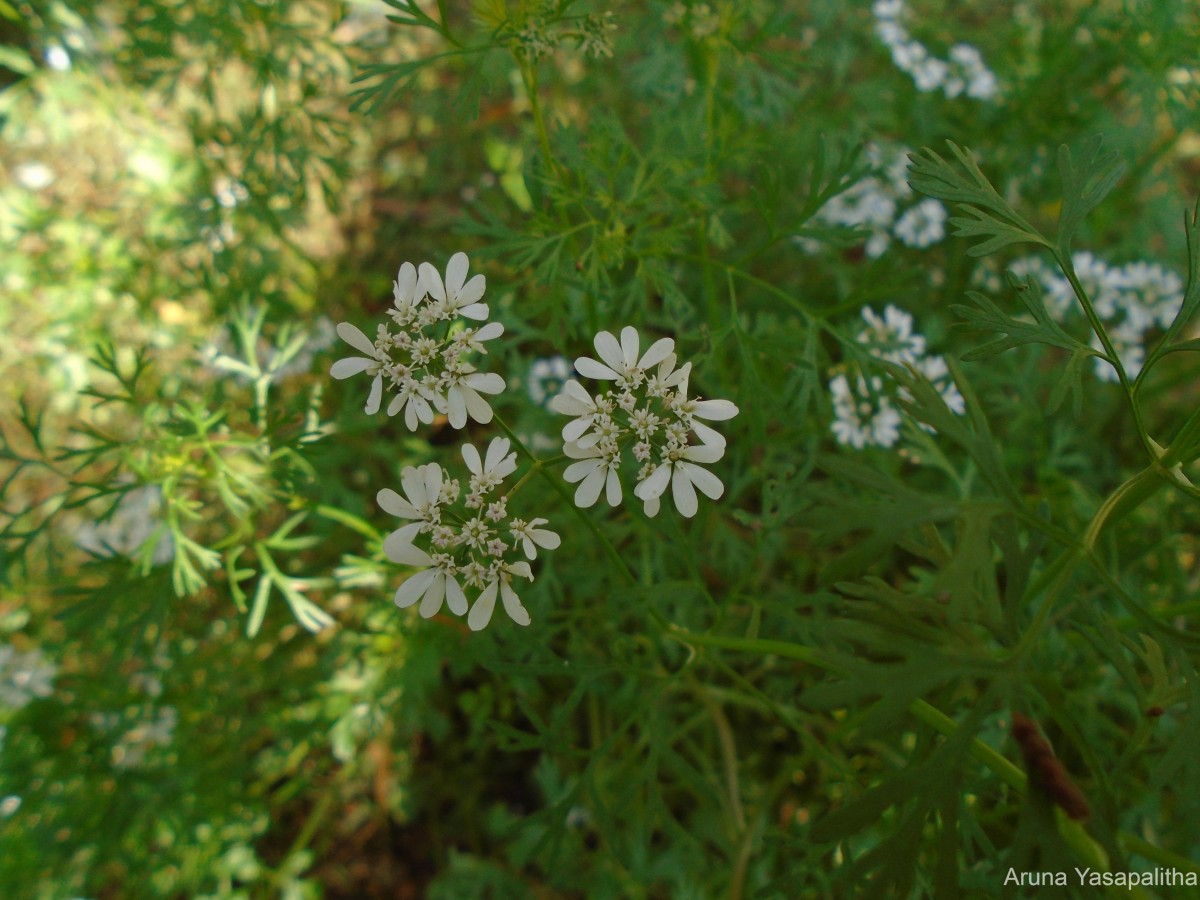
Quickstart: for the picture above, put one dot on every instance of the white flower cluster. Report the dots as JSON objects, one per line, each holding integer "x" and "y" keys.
{"x": 649, "y": 407}
{"x": 131, "y": 524}
{"x": 133, "y": 746}
{"x": 424, "y": 362}
{"x": 1131, "y": 299}
{"x": 864, "y": 411}
{"x": 963, "y": 73}
{"x": 24, "y": 676}
{"x": 875, "y": 203}
{"x": 472, "y": 544}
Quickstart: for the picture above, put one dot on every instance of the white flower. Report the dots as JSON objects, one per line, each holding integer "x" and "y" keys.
{"x": 481, "y": 612}
{"x": 414, "y": 399}
{"x": 547, "y": 378}
{"x": 923, "y": 225}
{"x": 405, "y": 297}
{"x": 454, "y": 297}
{"x": 24, "y": 676}
{"x": 423, "y": 485}
{"x": 620, "y": 360}
{"x": 576, "y": 401}
{"x": 374, "y": 362}
{"x": 891, "y": 337}
{"x": 487, "y": 473}
{"x": 648, "y": 407}
{"x": 867, "y": 418}
{"x": 134, "y": 521}
{"x": 596, "y": 470}
{"x": 530, "y": 535}
{"x": 433, "y": 586}
{"x": 462, "y": 396}
{"x": 681, "y": 471}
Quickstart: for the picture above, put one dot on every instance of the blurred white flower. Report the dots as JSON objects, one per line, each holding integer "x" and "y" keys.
{"x": 965, "y": 70}
{"x": 922, "y": 225}
{"x": 131, "y": 750}
{"x": 546, "y": 378}
{"x": 133, "y": 522}
{"x": 864, "y": 417}
{"x": 24, "y": 676}
{"x": 891, "y": 336}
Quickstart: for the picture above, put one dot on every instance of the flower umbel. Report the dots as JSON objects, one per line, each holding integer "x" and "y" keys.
{"x": 648, "y": 407}
{"x": 466, "y": 542}
{"x": 425, "y": 363}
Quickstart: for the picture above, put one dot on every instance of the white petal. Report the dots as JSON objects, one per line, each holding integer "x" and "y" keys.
{"x": 406, "y": 281}
{"x": 398, "y": 547}
{"x": 652, "y": 506}
{"x": 575, "y": 451}
{"x": 520, "y": 568}
{"x": 580, "y": 471}
{"x": 430, "y": 282}
{"x": 435, "y": 595}
{"x": 658, "y": 351}
{"x": 397, "y": 404}
{"x": 414, "y": 588}
{"x": 566, "y": 405}
{"x": 512, "y": 605}
{"x": 391, "y": 502}
{"x": 433, "y": 480}
{"x": 471, "y": 457}
{"x": 612, "y": 488}
{"x": 708, "y": 483}
{"x": 351, "y": 365}
{"x": 356, "y": 339}
{"x": 375, "y": 396}
{"x": 411, "y": 415}
{"x": 589, "y": 368}
{"x": 456, "y": 273}
{"x": 481, "y": 612}
{"x": 457, "y": 407}
{"x": 548, "y": 539}
{"x": 485, "y": 382}
{"x": 629, "y": 346}
{"x": 476, "y": 311}
{"x": 609, "y": 351}
{"x": 472, "y": 291}
{"x": 455, "y": 598}
{"x": 496, "y": 452}
{"x": 573, "y": 431}
{"x": 715, "y": 410}
{"x": 683, "y": 493}
{"x": 588, "y": 491}
{"x": 414, "y": 485}
{"x": 489, "y": 331}
{"x": 704, "y": 453}
{"x": 476, "y": 406}
{"x": 708, "y": 435}
{"x": 424, "y": 413}
{"x": 655, "y": 483}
